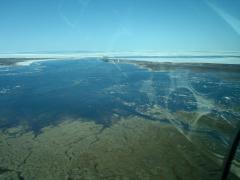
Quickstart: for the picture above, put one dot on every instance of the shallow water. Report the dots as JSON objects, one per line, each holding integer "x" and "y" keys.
{"x": 98, "y": 113}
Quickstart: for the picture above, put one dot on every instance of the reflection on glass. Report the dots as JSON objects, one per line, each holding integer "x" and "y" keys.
{"x": 119, "y": 90}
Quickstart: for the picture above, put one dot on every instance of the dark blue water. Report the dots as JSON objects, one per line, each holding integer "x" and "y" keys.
{"x": 67, "y": 89}
{"x": 45, "y": 93}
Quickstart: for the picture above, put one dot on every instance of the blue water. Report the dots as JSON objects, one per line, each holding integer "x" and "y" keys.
{"x": 45, "y": 93}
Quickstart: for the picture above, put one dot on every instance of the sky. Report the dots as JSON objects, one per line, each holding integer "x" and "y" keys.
{"x": 119, "y": 25}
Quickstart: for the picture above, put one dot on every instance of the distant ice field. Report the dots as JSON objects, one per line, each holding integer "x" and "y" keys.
{"x": 195, "y": 57}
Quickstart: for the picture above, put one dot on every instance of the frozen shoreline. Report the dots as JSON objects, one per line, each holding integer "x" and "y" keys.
{"x": 227, "y": 60}
{"x": 210, "y": 58}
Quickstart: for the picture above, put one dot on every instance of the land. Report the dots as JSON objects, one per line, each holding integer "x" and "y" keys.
{"x": 151, "y": 65}
{"x": 14, "y": 61}
{"x": 167, "y": 125}
{"x": 133, "y": 148}
{"x": 171, "y": 66}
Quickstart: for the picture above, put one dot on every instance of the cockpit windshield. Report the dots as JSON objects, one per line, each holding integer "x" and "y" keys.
{"x": 119, "y": 90}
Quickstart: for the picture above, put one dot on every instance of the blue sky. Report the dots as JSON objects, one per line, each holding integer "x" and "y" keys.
{"x": 114, "y": 25}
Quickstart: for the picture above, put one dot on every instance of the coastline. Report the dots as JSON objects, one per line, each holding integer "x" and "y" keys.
{"x": 24, "y": 59}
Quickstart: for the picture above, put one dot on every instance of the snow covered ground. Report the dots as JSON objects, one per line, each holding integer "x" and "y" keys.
{"x": 152, "y": 56}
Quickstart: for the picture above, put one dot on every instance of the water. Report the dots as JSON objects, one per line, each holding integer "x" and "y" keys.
{"x": 200, "y": 106}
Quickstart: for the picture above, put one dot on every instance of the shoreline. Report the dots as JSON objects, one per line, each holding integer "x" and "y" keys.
{"x": 159, "y": 60}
